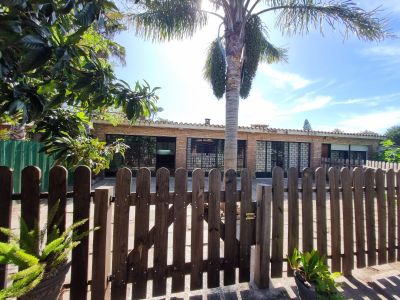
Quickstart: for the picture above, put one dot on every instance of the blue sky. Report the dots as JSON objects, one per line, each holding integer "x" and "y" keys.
{"x": 351, "y": 85}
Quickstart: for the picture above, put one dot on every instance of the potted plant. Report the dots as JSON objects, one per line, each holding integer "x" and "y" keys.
{"x": 312, "y": 276}
{"x": 42, "y": 271}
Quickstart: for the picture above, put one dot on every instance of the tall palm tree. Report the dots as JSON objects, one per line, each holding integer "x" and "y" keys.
{"x": 234, "y": 56}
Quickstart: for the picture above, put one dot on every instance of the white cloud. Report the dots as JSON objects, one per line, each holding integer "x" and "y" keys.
{"x": 384, "y": 51}
{"x": 282, "y": 79}
{"x": 309, "y": 102}
{"x": 370, "y": 101}
{"x": 376, "y": 121}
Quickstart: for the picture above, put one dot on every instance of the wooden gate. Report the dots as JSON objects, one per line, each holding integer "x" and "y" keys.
{"x": 209, "y": 232}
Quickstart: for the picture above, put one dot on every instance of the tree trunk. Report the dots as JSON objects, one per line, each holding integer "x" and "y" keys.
{"x": 233, "y": 50}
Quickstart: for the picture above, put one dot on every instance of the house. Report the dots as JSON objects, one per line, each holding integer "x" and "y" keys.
{"x": 185, "y": 145}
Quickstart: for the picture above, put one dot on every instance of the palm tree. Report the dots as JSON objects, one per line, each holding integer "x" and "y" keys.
{"x": 234, "y": 56}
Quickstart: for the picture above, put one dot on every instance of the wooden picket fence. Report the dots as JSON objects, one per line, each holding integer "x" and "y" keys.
{"x": 364, "y": 200}
{"x": 339, "y": 163}
{"x": 382, "y": 165}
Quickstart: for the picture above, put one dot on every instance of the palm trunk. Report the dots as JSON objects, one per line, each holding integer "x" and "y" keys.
{"x": 233, "y": 50}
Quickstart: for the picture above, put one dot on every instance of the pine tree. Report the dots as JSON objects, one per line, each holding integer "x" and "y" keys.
{"x": 307, "y": 125}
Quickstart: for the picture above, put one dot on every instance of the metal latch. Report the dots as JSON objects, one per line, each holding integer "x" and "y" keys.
{"x": 250, "y": 216}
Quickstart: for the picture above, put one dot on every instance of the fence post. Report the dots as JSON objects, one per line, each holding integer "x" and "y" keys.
{"x": 80, "y": 254}
{"x": 6, "y": 189}
{"x": 101, "y": 243}
{"x": 263, "y": 236}
{"x": 30, "y": 199}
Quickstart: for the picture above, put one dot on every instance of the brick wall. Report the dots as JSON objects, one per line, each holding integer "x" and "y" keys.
{"x": 181, "y": 133}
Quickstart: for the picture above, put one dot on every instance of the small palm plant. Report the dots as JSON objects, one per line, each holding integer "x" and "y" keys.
{"x": 312, "y": 272}
{"x": 36, "y": 264}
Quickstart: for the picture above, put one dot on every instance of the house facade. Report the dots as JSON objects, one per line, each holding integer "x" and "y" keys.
{"x": 260, "y": 148}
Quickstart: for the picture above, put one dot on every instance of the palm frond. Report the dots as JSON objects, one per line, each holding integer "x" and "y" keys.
{"x": 257, "y": 48}
{"x": 166, "y": 20}
{"x": 298, "y": 16}
{"x": 215, "y": 68}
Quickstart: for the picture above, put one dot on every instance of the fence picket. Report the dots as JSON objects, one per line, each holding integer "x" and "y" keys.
{"x": 307, "y": 210}
{"x": 358, "y": 183}
{"x": 80, "y": 254}
{"x": 120, "y": 233}
{"x": 6, "y": 190}
{"x": 30, "y": 199}
{"x": 335, "y": 219}
{"x": 196, "y": 274}
{"x": 179, "y": 242}
{"x": 398, "y": 212}
{"x": 100, "y": 287}
{"x": 141, "y": 231}
{"x": 322, "y": 231}
{"x": 161, "y": 237}
{"x": 245, "y": 226}
{"x": 230, "y": 250}
{"x": 391, "y": 210}
{"x": 277, "y": 224}
{"x": 58, "y": 194}
{"x": 348, "y": 238}
{"x": 370, "y": 215}
{"x": 263, "y": 236}
{"x": 293, "y": 212}
{"x": 214, "y": 220}
{"x": 382, "y": 223}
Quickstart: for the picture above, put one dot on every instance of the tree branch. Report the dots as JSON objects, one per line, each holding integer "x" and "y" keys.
{"x": 214, "y": 14}
{"x": 273, "y": 8}
{"x": 252, "y": 8}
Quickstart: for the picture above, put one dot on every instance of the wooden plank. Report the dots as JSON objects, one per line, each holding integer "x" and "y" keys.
{"x": 161, "y": 239}
{"x": 246, "y": 226}
{"x": 277, "y": 223}
{"x": 214, "y": 220}
{"x": 179, "y": 242}
{"x": 230, "y": 227}
{"x": 391, "y": 209}
{"x": 80, "y": 254}
{"x": 30, "y": 199}
{"x": 58, "y": 195}
{"x": 139, "y": 266}
{"x": 293, "y": 212}
{"x": 6, "y": 190}
{"x": 348, "y": 239}
{"x": 322, "y": 231}
{"x": 382, "y": 223}
{"x": 196, "y": 251}
{"x": 334, "y": 194}
{"x": 370, "y": 215}
{"x": 398, "y": 213}
{"x": 263, "y": 236}
{"x": 307, "y": 210}
{"x": 100, "y": 288}
{"x": 120, "y": 233}
{"x": 358, "y": 183}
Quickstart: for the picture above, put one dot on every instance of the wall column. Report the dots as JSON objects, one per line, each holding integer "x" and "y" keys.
{"x": 316, "y": 152}
{"x": 180, "y": 155}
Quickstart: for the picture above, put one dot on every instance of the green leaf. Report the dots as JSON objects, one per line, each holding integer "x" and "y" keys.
{"x": 32, "y": 42}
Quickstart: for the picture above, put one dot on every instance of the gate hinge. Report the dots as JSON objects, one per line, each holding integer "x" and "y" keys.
{"x": 250, "y": 216}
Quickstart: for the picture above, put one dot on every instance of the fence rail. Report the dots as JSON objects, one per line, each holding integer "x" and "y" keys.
{"x": 320, "y": 211}
{"x": 327, "y": 162}
{"x": 382, "y": 165}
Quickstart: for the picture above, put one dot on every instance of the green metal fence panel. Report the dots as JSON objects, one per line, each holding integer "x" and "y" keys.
{"x": 19, "y": 154}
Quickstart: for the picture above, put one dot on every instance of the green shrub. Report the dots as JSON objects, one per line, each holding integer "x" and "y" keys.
{"x": 314, "y": 270}
{"x": 36, "y": 264}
